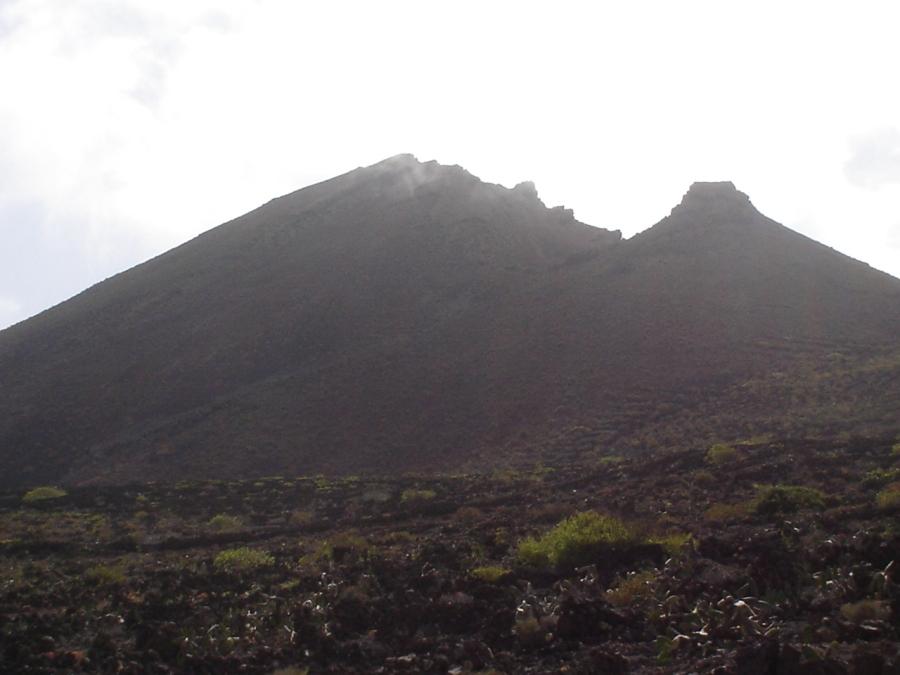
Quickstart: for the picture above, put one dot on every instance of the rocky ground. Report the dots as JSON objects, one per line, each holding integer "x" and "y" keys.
{"x": 766, "y": 557}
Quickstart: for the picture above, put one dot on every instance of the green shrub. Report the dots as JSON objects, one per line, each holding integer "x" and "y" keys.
{"x": 468, "y": 514}
{"x": 301, "y": 518}
{"x": 491, "y": 574}
{"x": 417, "y": 495}
{"x": 880, "y": 477}
{"x": 637, "y": 586}
{"x": 889, "y": 498}
{"x": 106, "y": 575}
{"x": 611, "y": 460}
{"x": 773, "y": 499}
{"x": 242, "y": 560}
{"x": 723, "y": 513}
{"x": 895, "y": 449}
{"x": 337, "y": 548}
{"x": 720, "y": 454}
{"x": 225, "y": 523}
{"x": 704, "y": 478}
{"x": 866, "y": 610}
{"x": 41, "y": 493}
{"x": 578, "y": 540}
{"x": 675, "y": 543}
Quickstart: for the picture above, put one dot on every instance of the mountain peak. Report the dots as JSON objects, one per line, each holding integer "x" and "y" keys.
{"x": 715, "y": 200}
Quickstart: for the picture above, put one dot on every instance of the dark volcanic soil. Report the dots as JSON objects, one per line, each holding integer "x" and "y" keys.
{"x": 421, "y": 574}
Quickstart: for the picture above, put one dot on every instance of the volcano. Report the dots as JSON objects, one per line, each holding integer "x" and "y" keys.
{"x": 408, "y": 316}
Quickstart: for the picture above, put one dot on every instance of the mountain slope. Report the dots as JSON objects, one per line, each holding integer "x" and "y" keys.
{"x": 408, "y": 315}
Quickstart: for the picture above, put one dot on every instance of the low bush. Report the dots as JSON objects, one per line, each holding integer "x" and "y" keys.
{"x": 242, "y": 560}
{"x": 720, "y": 454}
{"x": 41, "y": 493}
{"x": 611, "y": 460}
{"x": 225, "y": 523}
{"x": 301, "y": 518}
{"x": 417, "y": 495}
{"x": 889, "y": 498}
{"x": 704, "y": 478}
{"x": 636, "y": 586}
{"x": 866, "y": 610}
{"x": 106, "y": 575}
{"x": 468, "y": 515}
{"x": 877, "y": 477}
{"x": 775, "y": 499}
{"x": 674, "y": 543}
{"x": 578, "y": 540}
{"x": 491, "y": 574}
{"x": 724, "y": 513}
{"x": 339, "y": 547}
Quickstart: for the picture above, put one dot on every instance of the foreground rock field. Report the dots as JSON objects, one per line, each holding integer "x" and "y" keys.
{"x": 764, "y": 557}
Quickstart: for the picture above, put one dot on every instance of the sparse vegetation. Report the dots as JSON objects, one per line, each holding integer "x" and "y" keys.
{"x": 43, "y": 493}
{"x": 611, "y": 460}
{"x": 108, "y": 575}
{"x": 301, "y": 518}
{"x": 588, "y": 591}
{"x": 242, "y": 559}
{"x": 340, "y": 546}
{"x": 704, "y": 478}
{"x": 578, "y": 540}
{"x": 674, "y": 543}
{"x": 633, "y": 588}
{"x": 877, "y": 477}
{"x": 889, "y": 497}
{"x": 723, "y": 513}
{"x": 491, "y": 574}
{"x": 780, "y": 499}
{"x": 721, "y": 454}
{"x": 413, "y": 495}
{"x": 866, "y": 610}
{"x": 225, "y": 523}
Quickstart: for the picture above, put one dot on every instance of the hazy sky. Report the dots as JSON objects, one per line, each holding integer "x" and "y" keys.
{"x": 129, "y": 126}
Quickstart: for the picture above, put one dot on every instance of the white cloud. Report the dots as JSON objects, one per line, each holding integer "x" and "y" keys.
{"x": 10, "y": 311}
{"x": 875, "y": 161}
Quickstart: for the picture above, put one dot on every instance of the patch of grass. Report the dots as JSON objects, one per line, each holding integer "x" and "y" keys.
{"x": 866, "y": 610}
{"x": 721, "y": 454}
{"x": 225, "y": 523}
{"x": 490, "y": 574}
{"x": 578, "y": 540}
{"x": 242, "y": 559}
{"x": 889, "y": 498}
{"x": 636, "y": 586}
{"x": 724, "y": 513}
{"x": 412, "y": 495}
{"x": 106, "y": 575}
{"x": 675, "y": 543}
{"x": 300, "y": 518}
{"x": 704, "y": 478}
{"x": 339, "y": 547}
{"x": 611, "y": 460}
{"x": 399, "y": 538}
{"x": 775, "y": 499}
{"x": 877, "y": 477}
{"x": 44, "y": 492}
{"x": 468, "y": 514}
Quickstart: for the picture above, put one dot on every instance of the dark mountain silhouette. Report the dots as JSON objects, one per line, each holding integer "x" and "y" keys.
{"x": 407, "y": 315}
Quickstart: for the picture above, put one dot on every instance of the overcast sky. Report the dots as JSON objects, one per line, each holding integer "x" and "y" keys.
{"x": 129, "y": 126}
